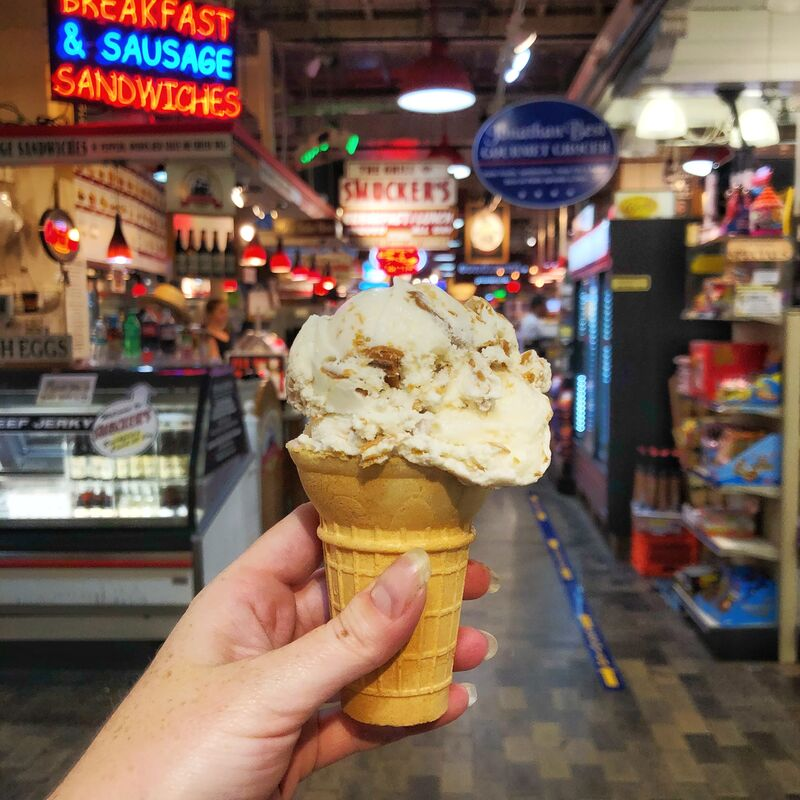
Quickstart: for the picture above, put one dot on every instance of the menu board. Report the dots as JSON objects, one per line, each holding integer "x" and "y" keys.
{"x": 226, "y": 435}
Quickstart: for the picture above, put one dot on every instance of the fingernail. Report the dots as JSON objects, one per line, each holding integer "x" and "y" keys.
{"x": 493, "y": 646}
{"x": 494, "y": 583}
{"x": 401, "y": 583}
{"x": 472, "y": 694}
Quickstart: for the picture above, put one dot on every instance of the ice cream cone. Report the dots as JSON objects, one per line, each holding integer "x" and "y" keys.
{"x": 368, "y": 517}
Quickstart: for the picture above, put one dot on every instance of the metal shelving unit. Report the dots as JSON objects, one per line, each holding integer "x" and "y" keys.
{"x": 777, "y": 547}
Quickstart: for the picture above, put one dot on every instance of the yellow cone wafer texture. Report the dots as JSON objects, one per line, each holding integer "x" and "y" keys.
{"x": 368, "y": 517}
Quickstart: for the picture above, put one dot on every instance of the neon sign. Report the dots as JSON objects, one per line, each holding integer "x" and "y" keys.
{"x": 60, "y": 238}
{"x": 398, "y": 260}
{"x": 158, "y": 56}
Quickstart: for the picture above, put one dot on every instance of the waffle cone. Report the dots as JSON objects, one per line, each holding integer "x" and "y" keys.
{"x": 370, "y": 516}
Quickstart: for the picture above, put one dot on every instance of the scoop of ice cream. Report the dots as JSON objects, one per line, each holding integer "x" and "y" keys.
{"x": 409, "y": 371}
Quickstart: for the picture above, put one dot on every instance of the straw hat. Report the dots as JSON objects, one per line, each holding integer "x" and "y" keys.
{"x": 168, "y": 296}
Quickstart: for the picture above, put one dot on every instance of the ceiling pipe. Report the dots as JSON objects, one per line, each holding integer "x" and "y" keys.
{"x": 625, "y": 27}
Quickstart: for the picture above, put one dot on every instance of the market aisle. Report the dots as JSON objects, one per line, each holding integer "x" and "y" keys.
{"x": 687, "y": 727}
{"x": 543, "y": 727}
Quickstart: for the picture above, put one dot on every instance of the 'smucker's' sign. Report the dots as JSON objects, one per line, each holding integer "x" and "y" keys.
{"x": 158, "y": 56}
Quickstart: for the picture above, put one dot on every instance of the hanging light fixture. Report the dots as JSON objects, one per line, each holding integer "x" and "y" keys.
{"x": 119, "y": 253}
{"x": 457, "y": 165}
{"x": 280, "y": 263}
{"x": 299, "y": 271}
{"x": 701, "y": 160}
{"x": 253, "y": 255}
{"x": 435, "y": 84}
{"x": 661, "y": 118}
{"x": 758, "y": 127}
{"x": 160, "y": 174}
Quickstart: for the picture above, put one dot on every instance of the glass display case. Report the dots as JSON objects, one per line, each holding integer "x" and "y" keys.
{"x": 115, "y": 450}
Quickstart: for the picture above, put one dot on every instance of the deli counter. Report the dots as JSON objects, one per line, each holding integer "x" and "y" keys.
{"x": 122, "y": 493}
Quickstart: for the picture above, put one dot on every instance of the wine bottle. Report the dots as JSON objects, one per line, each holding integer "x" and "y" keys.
{"x": 230, "y": 258}
{"x": 179, "y": 259}
{"x": 217, "y": 258}
{"x": 204, "y": 257}
{"x": 192, "y": 269}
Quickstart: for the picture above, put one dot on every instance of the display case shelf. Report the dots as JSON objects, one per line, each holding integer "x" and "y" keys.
{"x": 727, "y": 547}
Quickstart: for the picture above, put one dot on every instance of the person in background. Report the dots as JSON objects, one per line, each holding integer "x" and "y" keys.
{"x": 534, "y": 327}
{"x": 218, "y": 339}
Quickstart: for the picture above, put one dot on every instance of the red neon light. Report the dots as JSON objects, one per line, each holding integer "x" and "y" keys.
{"x": 63, "y": 240}
{"x": 154, "y": 95}
{"x": 187, "y": 19}
{"x": 398, "y": 260}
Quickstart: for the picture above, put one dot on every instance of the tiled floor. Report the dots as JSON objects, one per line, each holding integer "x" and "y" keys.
{"x": 686, "y": 727}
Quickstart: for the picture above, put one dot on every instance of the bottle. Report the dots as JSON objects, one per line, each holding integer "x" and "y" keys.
{"x": 78, "y": 459}
{"x": 204, "y": 257}
{"x": 168, "y": 333}
{"x": 99, "y": 342}
{"x": 217, "y": 258}
{"x": 131, "y": 338}
{"x": 180, "y": 258}
{"x": 192, "y": 267}
{"x": 230, "y": 258}
{"x": 165, "y": 454}
{"x": 30, "y": 297}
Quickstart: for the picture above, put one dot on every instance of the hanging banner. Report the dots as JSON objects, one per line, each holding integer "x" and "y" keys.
{"x": 545, "y": 154}
{"x": 158, "y": 56}
{"x": 398, "y": 203}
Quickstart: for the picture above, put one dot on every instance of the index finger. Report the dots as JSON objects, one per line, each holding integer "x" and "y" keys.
{"x": 479, "y": 580}
{"x": 289, "y": 551}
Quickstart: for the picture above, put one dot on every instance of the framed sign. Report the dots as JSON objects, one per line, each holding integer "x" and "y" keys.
{"x": 487, "y": 234}
{"x": 159, "y": 56}
{"x": 545, "y": 153}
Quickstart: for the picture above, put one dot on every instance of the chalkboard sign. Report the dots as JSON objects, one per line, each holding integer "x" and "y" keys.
{"x": 226, "y": 434}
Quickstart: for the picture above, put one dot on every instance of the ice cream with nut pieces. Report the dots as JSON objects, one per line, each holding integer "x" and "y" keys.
{"x": 409, "y": 371}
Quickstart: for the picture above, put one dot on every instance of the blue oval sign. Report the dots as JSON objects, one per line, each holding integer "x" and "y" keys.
{"x": 545, "y": 153}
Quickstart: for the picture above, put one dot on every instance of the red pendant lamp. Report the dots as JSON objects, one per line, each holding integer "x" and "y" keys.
{"x": 299, "y": 271}
{"x": 253, "y": 255}
{"x": 457, "y": 165}
{"x": 119, "y": 253}
{"x": 435, "y": 84}
{"x": 280, "y": 263}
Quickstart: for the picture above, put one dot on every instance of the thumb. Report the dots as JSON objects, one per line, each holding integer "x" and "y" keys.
{"x": 373, "y": 626}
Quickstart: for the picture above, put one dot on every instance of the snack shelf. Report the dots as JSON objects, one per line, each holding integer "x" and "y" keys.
{"x": 700, "y": 316}
{"x": 750, "y": 410}
{"x": 705, "y": 621}
{"x": 728, "y": 547}
{"x": 768, "y": 491}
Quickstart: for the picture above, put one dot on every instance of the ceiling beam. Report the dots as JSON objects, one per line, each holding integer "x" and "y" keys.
{"x": 324, "y": 29}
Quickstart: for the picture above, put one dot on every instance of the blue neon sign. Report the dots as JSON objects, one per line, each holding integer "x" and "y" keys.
{"x": 144, "y": 51}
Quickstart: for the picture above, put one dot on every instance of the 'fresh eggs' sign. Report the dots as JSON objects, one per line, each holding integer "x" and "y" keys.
{"x": 158, "y": 56}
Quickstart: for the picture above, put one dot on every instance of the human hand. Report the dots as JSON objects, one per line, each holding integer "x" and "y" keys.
{"x": 230, "y": 707}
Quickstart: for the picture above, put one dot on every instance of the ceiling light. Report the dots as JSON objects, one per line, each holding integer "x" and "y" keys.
{"x": 520, "y": 60}
{"x": 510, "y": 75}
{"x": 247, "y": 232}
{"x": 274, "y": 213}
{"x": 259, "y": 212}
{"x": 758, "y": 127}
{"x": 701, "y": 160}
{"x": 160, "y": 174}
{"x": 435, "y": 84}
{"x": 457, "y": 165}
{"x": 459, "y": 171}
{"x": 442, "y": 257}
{"x": 254, "y": 255}
{"x": 661, "y": 118}
{"x": 237, "y": 196}
{"x": 280, "y": 263}
{"x": 458, "y": 223}
{"x": 118, "y": 253}
{"x": 526, "y": 43}
{"x": 531, "y": 241}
